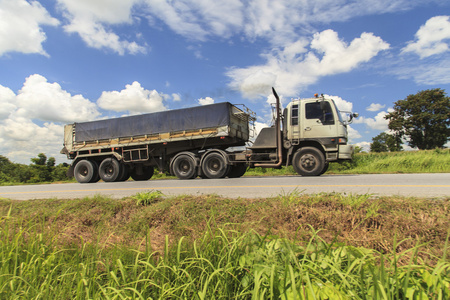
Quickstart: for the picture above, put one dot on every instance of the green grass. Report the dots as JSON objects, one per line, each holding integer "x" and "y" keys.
{"x": 426, "y": 161}
{"x": 325, "y": 246}
{"x": 430, "y": 161}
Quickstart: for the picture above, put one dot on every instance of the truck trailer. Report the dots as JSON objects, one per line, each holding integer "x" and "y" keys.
{"x": 209, "y": 141}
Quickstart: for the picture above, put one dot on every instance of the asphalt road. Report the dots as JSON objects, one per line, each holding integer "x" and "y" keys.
{"x": 416, "y": 185}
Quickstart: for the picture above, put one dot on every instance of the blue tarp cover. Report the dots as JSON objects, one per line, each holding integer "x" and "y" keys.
{"x": 193, "y": 118}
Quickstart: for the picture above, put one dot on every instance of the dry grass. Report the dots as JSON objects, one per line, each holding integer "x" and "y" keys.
{"x": 356, "y": 220}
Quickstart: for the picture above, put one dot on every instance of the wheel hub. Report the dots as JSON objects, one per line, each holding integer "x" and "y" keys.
{"x": 308, "y": 161}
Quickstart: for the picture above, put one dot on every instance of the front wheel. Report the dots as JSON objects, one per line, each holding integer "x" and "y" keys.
{"x": 308, "y": 161}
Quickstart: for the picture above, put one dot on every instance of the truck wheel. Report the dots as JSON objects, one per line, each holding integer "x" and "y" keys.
{"x": 109, "y": 170}
{"x": 325, "y": 168}
{"x": 214, "y": 166}
{"x": 184, "y": 167}
{"x": 124, "y": 173}
{"x": 147, "y": 173}
{"x": 237, "y": 170}
{"x": 85, "y": 171}
{"x": 308, "y": 161}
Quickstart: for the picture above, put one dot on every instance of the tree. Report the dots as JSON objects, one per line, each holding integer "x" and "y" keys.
{"x": 40, "y": 160}
{"x": 424, "y": 118}
{"x": 386, "y": 142}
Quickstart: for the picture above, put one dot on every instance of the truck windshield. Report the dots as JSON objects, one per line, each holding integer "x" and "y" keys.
{"x": 338, "y": 113}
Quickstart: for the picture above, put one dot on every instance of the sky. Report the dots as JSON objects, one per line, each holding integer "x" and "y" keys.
{"x": 66, "y": 61}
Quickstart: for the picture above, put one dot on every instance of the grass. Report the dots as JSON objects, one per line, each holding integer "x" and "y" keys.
{"x": 425, "y": 161}
{"x": 325, "y": 246}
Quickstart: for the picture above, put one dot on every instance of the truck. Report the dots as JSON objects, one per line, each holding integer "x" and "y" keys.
{"x": 211, "y": 141}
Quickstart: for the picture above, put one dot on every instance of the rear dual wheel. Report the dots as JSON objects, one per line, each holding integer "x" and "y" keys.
{"x": 184, "y": 166}
{"x": 110, "y": 170}
{"x": 237, "y": 170}
{"x": 142, "y": 174}
{"x": 86, "y": 171}
{"x": 214, "y": 165}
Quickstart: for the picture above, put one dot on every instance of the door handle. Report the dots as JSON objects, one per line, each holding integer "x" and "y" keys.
{"x": 308, "y": 128}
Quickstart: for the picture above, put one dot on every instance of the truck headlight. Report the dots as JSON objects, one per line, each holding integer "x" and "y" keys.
{"x": 342, "y": 141}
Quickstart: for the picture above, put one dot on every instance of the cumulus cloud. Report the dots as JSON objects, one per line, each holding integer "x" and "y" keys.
{"x": 134, "y": 99}
{"x": 32, "y": 121}
{"x": 353, "y": 134}
{"x": 376, "y": 123}
{"x": 7, "y": 102}
{"x": 206, "y": 101}
{"x": 375, "y": 107}
{"x": 90, "y": 18}
{"x": 26, "y": 139}
{"x": 39, "y": 99}
{"x": 342, "y": 105}
{"x": 293, "y": 67}
{"x": 21, "y": 25}
{"x": 432, "y": 38}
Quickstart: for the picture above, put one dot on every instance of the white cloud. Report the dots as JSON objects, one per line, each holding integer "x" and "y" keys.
{"x": 199, "y": 19}
{"x": 7, "y": 102}
{"x": 39, "y": 99}
{"x": 432, "y": 38}
{"x": 206, "y": 101}
{"x": 23, "y": 139}
{"x": 353, "y": 134}
{"x": 21, "y": 26}
{"x": 293, "y": 67}
{"x": 31, "y": 122}
{"x": 375, "y": 107}
{"x": 176, "y": 97}
{"x": 426, "y": 71}
{"x": 376, "y": 123}
{"x": 365, "y": 146}
{"x": 89, "y": 18}
{"x": 341, "y": 104}
{"x": 134, "y": 99}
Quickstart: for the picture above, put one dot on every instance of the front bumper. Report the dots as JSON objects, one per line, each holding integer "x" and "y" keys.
{"x": 345, "y": 151}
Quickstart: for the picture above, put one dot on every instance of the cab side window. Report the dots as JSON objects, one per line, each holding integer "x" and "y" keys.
{"x": 314, "y": 111}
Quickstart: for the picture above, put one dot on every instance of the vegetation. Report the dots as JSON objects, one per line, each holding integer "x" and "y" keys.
{"x": 326, "y": 246}
{"x": 385, "y": 142}
{"x": 41, "y": 170}
{"x": 423, "y": 118}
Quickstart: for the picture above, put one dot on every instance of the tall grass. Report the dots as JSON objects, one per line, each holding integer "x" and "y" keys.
{"x": 222, "y": 264}
{"x": 429, "y": 161}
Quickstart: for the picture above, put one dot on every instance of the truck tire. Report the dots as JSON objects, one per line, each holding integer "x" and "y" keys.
{"x": 237, "y": 170}
{"x": 184, "y": 166}
{"x": 214, "y": 165}
{"x": 85, "y": 171}
{"x": 147, "y": 173}
{"x": 124, "y": 173}
{"x": 109, "y": 170}
{"x": 308, "y": 161}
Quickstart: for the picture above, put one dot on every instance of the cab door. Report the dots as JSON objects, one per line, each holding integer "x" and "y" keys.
{"x": 318, "y": 120}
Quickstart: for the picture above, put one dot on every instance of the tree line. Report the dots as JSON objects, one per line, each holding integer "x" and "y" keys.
{"x": 422, "y": 120}
{"x": 40, "y": 170}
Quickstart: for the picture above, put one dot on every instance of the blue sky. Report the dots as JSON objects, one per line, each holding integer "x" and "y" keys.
{"x": 65, "y": 61}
